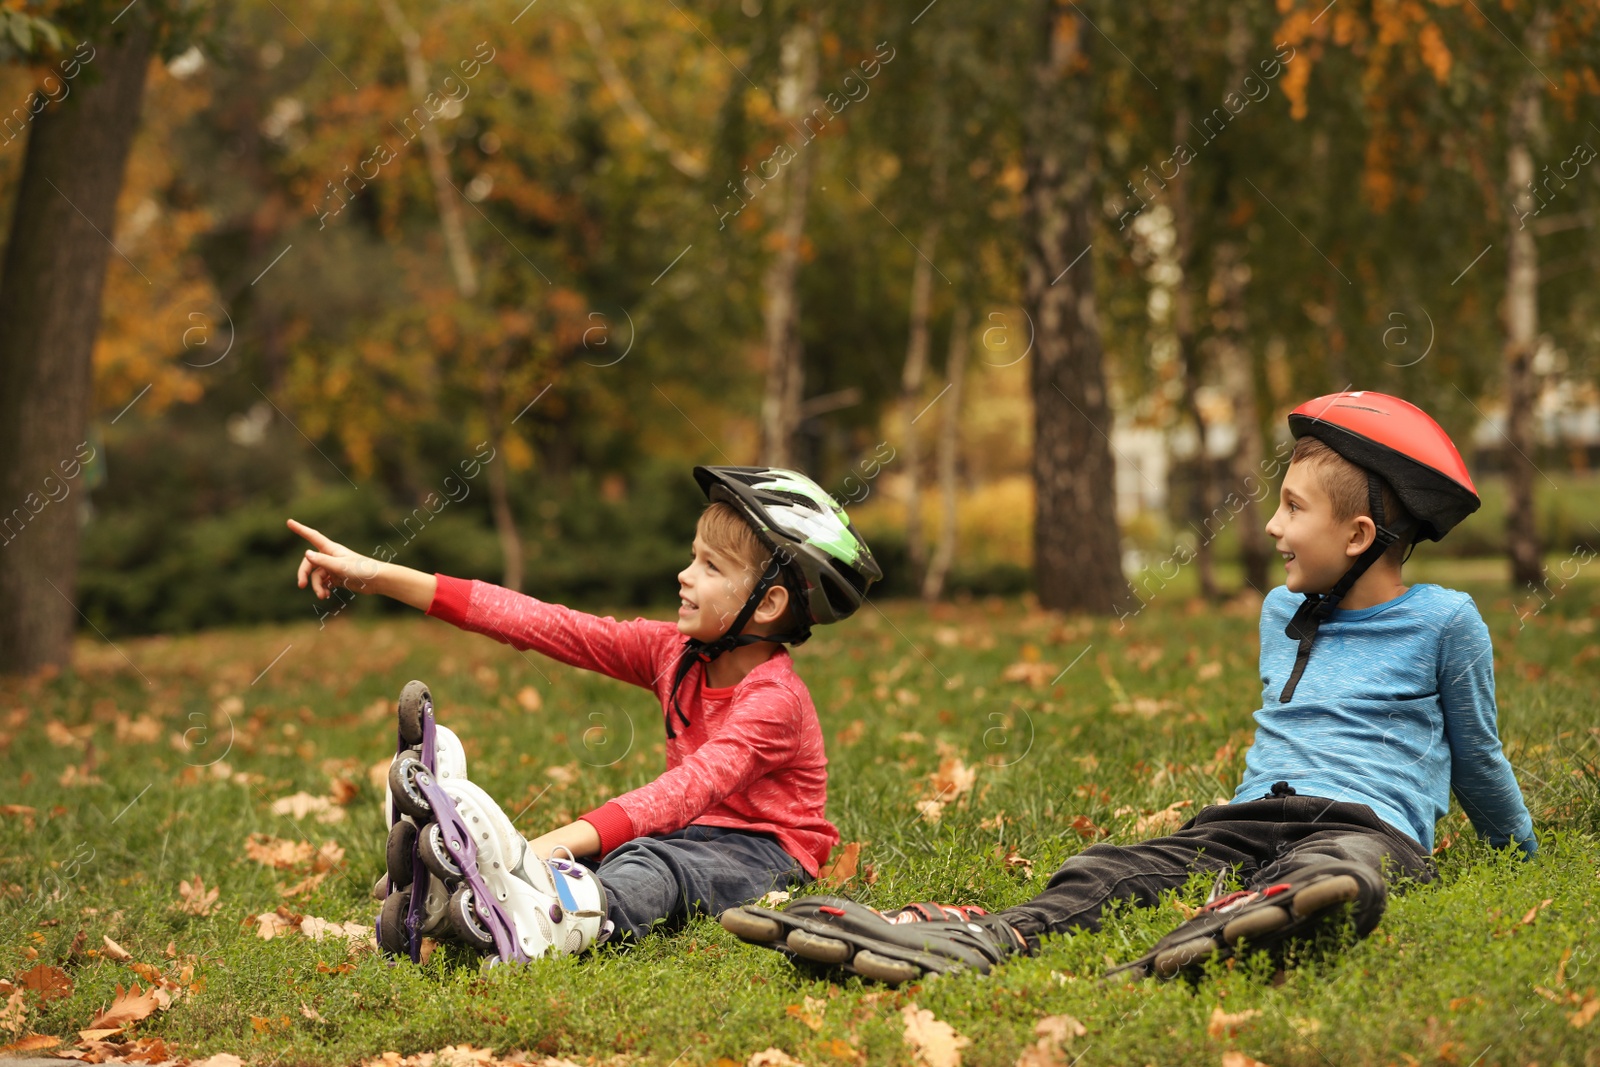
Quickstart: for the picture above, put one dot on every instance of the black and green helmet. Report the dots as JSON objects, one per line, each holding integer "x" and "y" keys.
{"x": 806, "y": 529}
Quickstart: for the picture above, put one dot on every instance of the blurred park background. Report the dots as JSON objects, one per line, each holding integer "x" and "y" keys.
{"x": 1030, "y": 287}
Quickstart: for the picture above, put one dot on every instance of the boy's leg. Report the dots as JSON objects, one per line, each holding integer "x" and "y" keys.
{"x": 1100, "y": 874}
{"x": 700, "y": 870}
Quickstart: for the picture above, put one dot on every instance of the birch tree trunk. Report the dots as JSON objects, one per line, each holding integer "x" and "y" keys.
{"x": 949, "y": 453}
{"x": 780, "y": 406}
{"x": 911, "y": 378}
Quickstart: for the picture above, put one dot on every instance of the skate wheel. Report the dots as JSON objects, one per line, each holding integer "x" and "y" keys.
{"x": 1170, "y": 961}
{"x": 815, "y": 947}
{"x": 869, "y": 964}
{"x": 1325, "y": 894}
{"x": 1254, "y": 924}
{"x": 392, "y": 923}
{"x": 398, "y": 853}
{"x": 408, "y": 799}
{"x": 415, "y": 701}
{"x": 430, "y": 845}
{"x": 466, "y": 922}
{"x": 748, "y": 926}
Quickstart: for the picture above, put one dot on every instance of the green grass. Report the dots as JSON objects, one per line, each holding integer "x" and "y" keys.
{"x": 1453, "y": 972}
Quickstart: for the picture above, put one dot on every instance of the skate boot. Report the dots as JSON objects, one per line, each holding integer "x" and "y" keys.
{"x": 892, "y": 947}
{"x": 1297, "y": 908}
{"x": 502, "y": 899}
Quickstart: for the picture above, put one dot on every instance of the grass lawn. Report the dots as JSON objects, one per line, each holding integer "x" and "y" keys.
{"x": 159, "y": 758}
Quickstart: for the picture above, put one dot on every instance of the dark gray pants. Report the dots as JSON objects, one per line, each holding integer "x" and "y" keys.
{"x": 700, "y": 870}
{"x": 1264, "y": 839}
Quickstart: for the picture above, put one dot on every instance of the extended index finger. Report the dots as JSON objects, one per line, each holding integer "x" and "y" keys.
{"x": 318, "y": 540}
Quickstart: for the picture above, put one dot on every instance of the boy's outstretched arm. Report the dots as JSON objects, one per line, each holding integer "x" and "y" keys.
{"x": 1480, "y": 775}
{"x": 328, "y": 565}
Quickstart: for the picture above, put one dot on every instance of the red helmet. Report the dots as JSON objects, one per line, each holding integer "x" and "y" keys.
{"x": 1401, "y": 444}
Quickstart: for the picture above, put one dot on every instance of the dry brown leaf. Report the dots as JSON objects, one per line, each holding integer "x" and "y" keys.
{"x": 1224, "y": 1025}
{"x": 996, "y": 823}
{"x": 276, "y": 852}
{"x": 1580, "y": 1018}
{"x": 852, "y": 733}
{"x": 47, "y": 982}
{"x": 302, "y": 887}
{"x": 342, "y": 790}
{"x": 221, "y": 1059}
{"x": 1234, "y": 1058}
{"x": 311, "y": 1013}
{"x": 1086, "y": 828}
{"x": 810, "y": 1011}
{"x": 329, "y": 856}
{"x": 529, "y": 698}
{"x": 952, "y": 781}
{"x": 270, "y": 924}
{"x": 195, "y": 899}
{"x": 20, "y": 811}
{"x": 1161, "y": 822}
{"x": 933, "y": 1043}
{"x": 1013, "y": 860}
{"x": 842, "y": 867}
{"x": 317, "y": 929}
{"x": 1034, "y": 674}
{"x": 562, "y": 775}
{"x": 1533, "y": 912}
{"x": 1054, "y": 1031}
{"x": 774, "y": 898}
{"x": 772, "y": 1057}
{"x": 116, "y": 951}
{"x": 30, "y": 1043}
{"x": 130, "y": 1007}
{"x": 931, "y": 810}
{"x": 144, "y": 730}
{"x": 299, "y": 805}
{"x": 14, "y": 1016}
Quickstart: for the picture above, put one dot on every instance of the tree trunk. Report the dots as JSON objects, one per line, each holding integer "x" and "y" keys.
{"x": 780, "y": 406}
{"x": 1522, "y": 333}
{"x": 1238, "y": 378}
{"x": 949, "y": 452}
{"x": 1183, "y": 328}
{"x": 1077, "y": 555}
{"x": 911, "y": 379}
{"x": 55, "y": 268}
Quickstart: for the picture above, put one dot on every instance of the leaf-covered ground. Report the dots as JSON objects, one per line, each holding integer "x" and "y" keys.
{"x": 165, "y": 760}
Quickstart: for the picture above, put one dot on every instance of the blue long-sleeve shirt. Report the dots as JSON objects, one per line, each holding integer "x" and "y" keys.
{"x": 1395, "y": 710}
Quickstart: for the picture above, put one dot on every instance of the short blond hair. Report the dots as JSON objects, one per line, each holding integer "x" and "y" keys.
{"x": 724, "y": 529}
{"x": 1346, "y": 486}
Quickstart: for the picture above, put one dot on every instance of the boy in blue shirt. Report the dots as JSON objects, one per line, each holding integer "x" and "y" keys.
{"x": 1377, "y": 703}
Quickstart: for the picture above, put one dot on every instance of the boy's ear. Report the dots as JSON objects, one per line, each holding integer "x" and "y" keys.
{"x": 773, "y": 604}
{"x": 1364, "y": 533}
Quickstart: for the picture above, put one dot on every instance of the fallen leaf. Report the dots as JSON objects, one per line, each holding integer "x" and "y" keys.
{"x": 1054, "y": 1031}
{"x": 276, "y": 852}
{"x": 20, "y": 811}
{"x": 1233, "y": 1058}
{"x": 774, "y": 898}
{"x": 809, "y": 1012}
{"x": 91, "y": 1036}
{"x": 772, "y": 1057}
{"x": 529, "y": 698}
{"x": 221, "y": 1059}
{"x": 1224, "y": 1025}
{"x": 116, "y": 951}
{"x": 840, "y": 1049}
{"x": 1012, "y": 860}
{"x": 130, "y": 1007}
{"x": 195, "y": 898}
{"x": 1533, "y": 912}
{"x": 1086, "y": 828}
{"x": 329, "y": 856}
{"x": 1034, "y": 674}
{"x": 933, "y": 1043}
{"x": 59, "y": 735}
{"x": 342, "y": 790}
{"x": 1208, "y": 671}
{"x": 1161, "y": 822}
{"x": 302, "y": 887}
{"x": 14, "y": 1016}
{"x": 31, "y": 1043}
{"x": 562, "y": 775}
{"x": 47, "y": 982}
{"x": 270, "y": 924}
{"x": 141, "y": 731}
{"x": 931, "y": 810}
{"x": 1580, "y": 1018}
{"x": 317, "y": 929}
{"x": 852, "y": 733}
{"x": 311, "y": 1013}
{"x": 952, "y": 781}
{"x": 842, "y": 867}
{"x": 299, "y": 805}
{"x": 996, "y": 823}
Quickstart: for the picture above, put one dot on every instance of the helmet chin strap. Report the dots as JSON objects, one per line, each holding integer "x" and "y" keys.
{"x": 1318, "y": 608}
{"x": 703, "y": 652}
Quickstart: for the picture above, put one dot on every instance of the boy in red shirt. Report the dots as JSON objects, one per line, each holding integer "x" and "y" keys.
{"x": 740, "y": 809}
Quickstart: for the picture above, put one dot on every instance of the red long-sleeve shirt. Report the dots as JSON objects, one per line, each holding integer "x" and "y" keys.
{"x": 751, "y": 757}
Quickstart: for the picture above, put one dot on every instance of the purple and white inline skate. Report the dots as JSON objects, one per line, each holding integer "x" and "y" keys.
{"x": 458, "y": 869}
